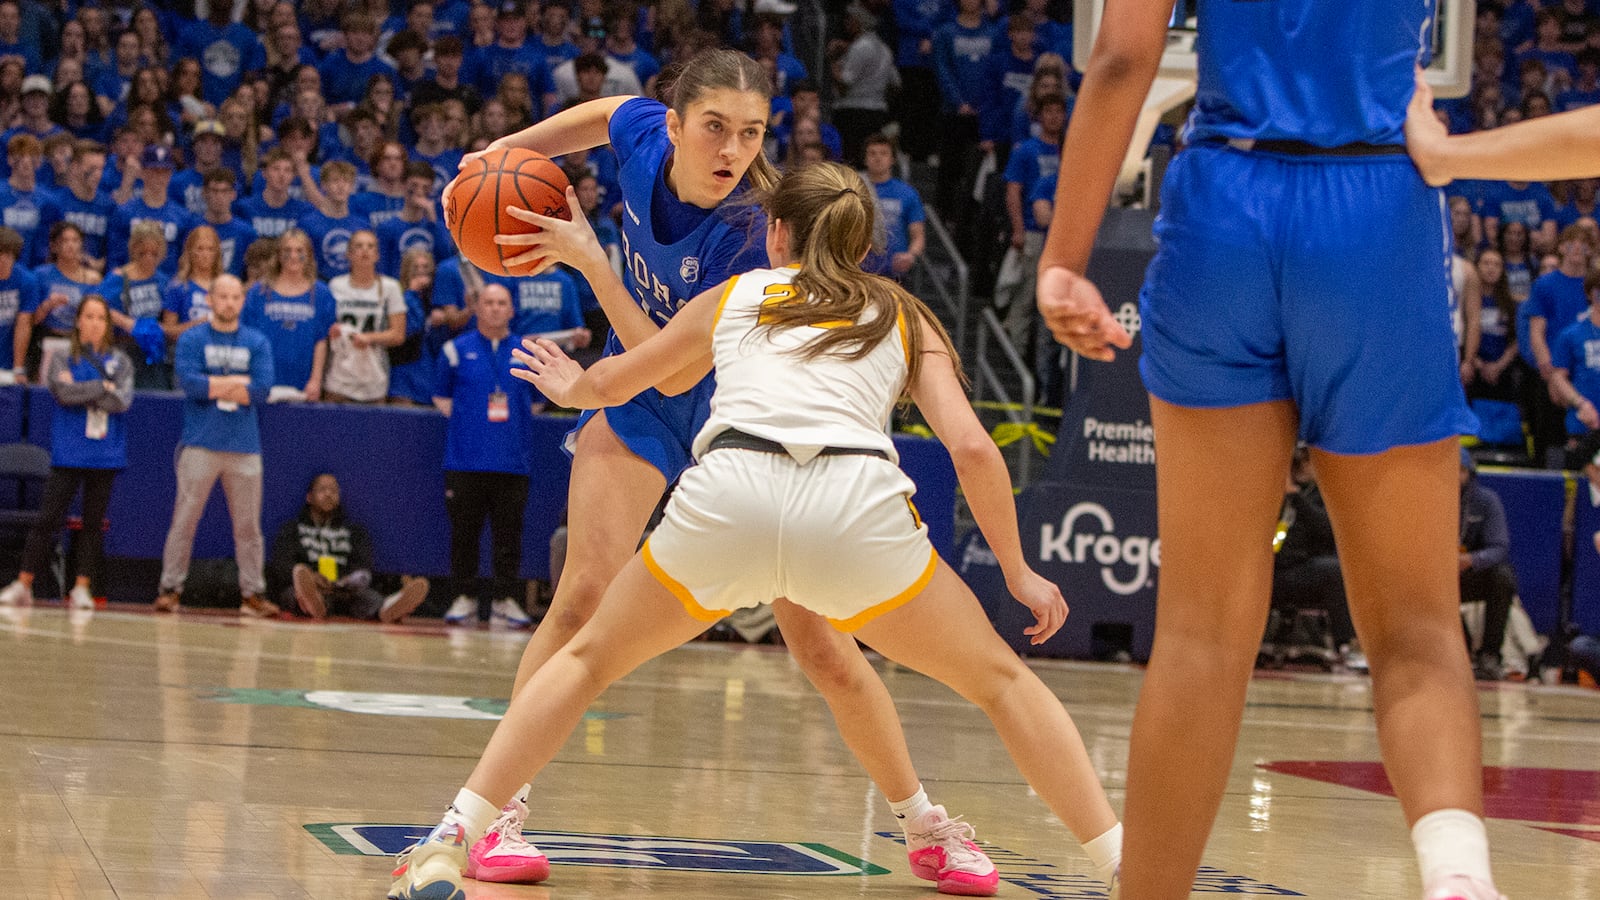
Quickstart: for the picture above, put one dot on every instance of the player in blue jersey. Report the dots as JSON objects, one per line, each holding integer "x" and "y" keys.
{"x": 1300, "y": 291}
{"x": 681, "y": 234}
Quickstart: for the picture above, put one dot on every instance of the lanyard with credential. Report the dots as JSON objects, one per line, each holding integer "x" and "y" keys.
{"x": 499, "y": 407}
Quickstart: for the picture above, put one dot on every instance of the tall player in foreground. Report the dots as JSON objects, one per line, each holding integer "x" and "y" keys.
{"x": 685, "y": 226}
{"x": 1299, "y": 291}
{"x": 796, "y": 494}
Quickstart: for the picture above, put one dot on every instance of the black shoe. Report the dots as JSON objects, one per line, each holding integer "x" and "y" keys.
{"x": 1488, "y": 668}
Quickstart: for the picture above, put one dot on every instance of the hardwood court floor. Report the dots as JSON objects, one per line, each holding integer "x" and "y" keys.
{"x": 197, "y": 756}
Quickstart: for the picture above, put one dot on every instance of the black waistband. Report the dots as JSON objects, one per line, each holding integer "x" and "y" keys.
{"x": 1301, "y": 148}
{"x": 738, "y": 440}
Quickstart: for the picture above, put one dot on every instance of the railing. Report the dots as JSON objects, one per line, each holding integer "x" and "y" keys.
{"x": 1018, "y": 409}
{"x": 926, "y": 281}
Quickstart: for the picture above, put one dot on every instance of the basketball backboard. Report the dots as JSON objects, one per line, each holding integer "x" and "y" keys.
{"x": 1450, "y": 71}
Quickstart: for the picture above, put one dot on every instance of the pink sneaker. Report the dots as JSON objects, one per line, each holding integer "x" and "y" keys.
{"x": 502, "y": 856}
{"x": 1462, "y": 887}
{"x": 941, "y": 850}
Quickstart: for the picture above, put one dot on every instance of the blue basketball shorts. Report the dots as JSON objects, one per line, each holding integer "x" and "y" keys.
{"x": 1318, "y": 279}
{"x": 658, "y": 429}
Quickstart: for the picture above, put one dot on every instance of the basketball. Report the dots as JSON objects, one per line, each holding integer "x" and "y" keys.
{"x": 475, "y": 206}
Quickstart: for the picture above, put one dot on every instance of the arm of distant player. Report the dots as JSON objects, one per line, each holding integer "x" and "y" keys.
{"x": 575, "y": 244}
{"x": 985, "y": 482}
{"x": 1127, "y": 53}
{"x": 617, "y": 379}
{"x": 1560, "y": 147}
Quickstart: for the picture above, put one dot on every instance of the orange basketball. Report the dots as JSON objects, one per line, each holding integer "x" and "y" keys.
{"x": 475, "y": 206}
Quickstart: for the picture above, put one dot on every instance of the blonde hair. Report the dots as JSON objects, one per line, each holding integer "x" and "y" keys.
{"x": 409, "y": 262}
{"x": 277, "y": 256}
{"x": 147, "y": 232}
{"x": 830, "y": 213}
{"x": 186, "y": 272}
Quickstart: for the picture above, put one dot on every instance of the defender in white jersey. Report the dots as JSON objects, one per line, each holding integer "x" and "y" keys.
{"x": 796, "y": 495}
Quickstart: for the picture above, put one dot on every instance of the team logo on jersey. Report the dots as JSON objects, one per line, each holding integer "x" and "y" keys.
{"x": 690, "y": 270}
{"x": 221, "y": 59}
{"x": 336, "y": 248}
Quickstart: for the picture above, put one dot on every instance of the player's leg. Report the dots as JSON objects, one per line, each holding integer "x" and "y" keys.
{"x": 944, "y": 634}
{"x": 637, "y": 620}
{"x": 865, "y": 715}
{"x": 1220, "y": 476}
{"x": 1395, "y": 517}
{"x": 610, "y": 497}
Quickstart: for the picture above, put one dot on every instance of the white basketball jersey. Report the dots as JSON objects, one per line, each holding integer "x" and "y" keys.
{"x": 765, "y": 388}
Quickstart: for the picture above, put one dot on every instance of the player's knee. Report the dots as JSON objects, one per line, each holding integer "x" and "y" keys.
{"x": 831, "y": 665}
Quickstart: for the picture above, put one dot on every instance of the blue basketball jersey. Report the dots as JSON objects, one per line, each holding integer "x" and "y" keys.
{"x": 1309, "y": 70}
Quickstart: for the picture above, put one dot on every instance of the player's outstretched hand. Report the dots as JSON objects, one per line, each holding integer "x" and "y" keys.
{"x": 1044, "y": 599}
{"x": 554, "y": 373}
{"x": 557, "y": 240}
{"x": 1426, "y": 135}
{"x": 1077, "y": 316}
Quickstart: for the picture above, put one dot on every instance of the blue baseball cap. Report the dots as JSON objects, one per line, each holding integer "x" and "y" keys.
{"x": 157, "y": 156}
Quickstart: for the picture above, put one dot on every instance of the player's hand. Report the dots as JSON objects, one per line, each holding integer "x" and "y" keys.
{"x": 557, "y": 240}
{"x": 1044, "y": 600}
{"x": 554, "y": 373}
{"x": 1077, "y": 316}
{"x": 901, "y": 263}
{"x": 1426, "y": 135}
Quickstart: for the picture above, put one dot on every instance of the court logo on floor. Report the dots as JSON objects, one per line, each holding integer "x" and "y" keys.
{"x": 430, "y": 706}
{"x": 623, "y": 851}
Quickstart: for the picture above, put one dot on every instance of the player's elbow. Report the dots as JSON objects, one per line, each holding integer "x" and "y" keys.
{"x": 1120, "y": 62}
{"x": 973, "y": 450}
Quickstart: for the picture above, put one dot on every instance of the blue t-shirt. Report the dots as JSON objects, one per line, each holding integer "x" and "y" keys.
{"x": 396, "y": 236}
{"x": 202, "y": 352}
{"x": 140, "y": 298}
{"x": 187, "y": 189}
{"x": 1494, "y": 330}
{"x": 899, "y": 207}
{"x": 556, "y": 54}
{"x": 1266, "y": 70}
{"x": 51, "y": 281}
{"x": 293, "y": 325}
{"x": 297, "y": 190}
{"x": 27, "y": 212}
{"x": 189, "y": 302}
{"x": 378, "y": 208}
{"x": 1576, "y": 99}
{"x": 445, "y": 165}
{"x": 93, "y": 218}
{"x": 547, "y": 302}
{"x": 235, "y": 236}
{"x": 1006, "y": 79}
{"x": 1560, "y": 300}
{"x": 225, "y": 54}
{"x": 483, "y": 68}
{"x": 331, "y": 240}
{"x": 644, "y": 66}
{"x": 470, "y": 369}
{"x": 18, "y": 293}
{"x": 346, "y": 82}
{"x": 70, "y": 444}
{"x": 1531, "y": 204}
{"x": 1577, "y": 349}
{"x": 1031, "y": 161}
{"x": 175, "y": 221}
{"x": 268, "y": 220}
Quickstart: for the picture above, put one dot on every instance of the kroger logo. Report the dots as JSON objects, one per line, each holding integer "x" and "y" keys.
{"x": 1127, "y": 315}
{"x": 1130, "y": 556}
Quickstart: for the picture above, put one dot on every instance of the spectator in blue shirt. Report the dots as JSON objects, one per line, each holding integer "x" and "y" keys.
{"x": 220, "y": 191}
{"x": 1008, "y": 71}
{"x": 385, "y": 195}
{"x": 186, "y": 302}
{"x": 486, "y": 466}
{"x": 25, "y": 207}
{"x": 1520, "y": 201}
{"x": 226, "y": 51}
{"x": 554, "y": 39}
{"x": 417, "y": 225}
{"x": 1556, "y": 302}
{"x": 622, "y": 47}
{"x": 224, "y": 369}
{"x": 1581, "y": 204}
{"x": 11, "y": 42}
{"x": 345, "y": 72}
{"x": 63, "y": 282}
{"x": 434, "y": 147}
{"x": 547, "y": 305}
{"x": 35, "y": 118}
{"x": 900, "y": 213}
{"x": 330, "y": 228}
{"x": 82, "y": 202}
{"x": 152, "y": 204}
{"x": 294, "y": 310}
{"x": 510, "y": 52}
{"x": 273, "y": 211}
{"x": 135, "y": 292}
{"x": 18, "y": 292}
{"x": 961, "y": 51}
{"x": 1575, "y": 365}
{"x": 915, "y": 22}
{"x": 93, "y": 387}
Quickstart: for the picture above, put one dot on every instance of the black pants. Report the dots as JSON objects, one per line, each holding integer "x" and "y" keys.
{"x": 1496, "y": 586}
{"x": 958, "y": 163}
{"x": 917, "y": 110}
{"x": 1547, "y": 422}
{"x": 1316, "y": 583}
{"x": 470, "y": 498}
{"x": 59, "y": 490}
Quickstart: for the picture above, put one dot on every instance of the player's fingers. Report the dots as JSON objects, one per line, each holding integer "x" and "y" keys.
{"x": 530, "y": 239}
{"x": 531, "y": 217}
{"x": 527, "y": 259}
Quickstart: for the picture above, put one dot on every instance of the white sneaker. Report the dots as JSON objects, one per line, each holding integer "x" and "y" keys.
{"x": 508, "y": 611}
{"x": 431, "y": 868}
{"x": 1461, "y": 887}
{"x": 941, "y": 850}
{"x": 79, "y": 599}
{"x": 16, "y": 594}
{"x": 462, "y": 611}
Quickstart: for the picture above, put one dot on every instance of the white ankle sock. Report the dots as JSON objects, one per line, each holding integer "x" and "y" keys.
{"x": 522, "y": 793}
{"x": 1105, "y": 852}
{"x": 910, "y": 808}
{"x": 1451, "y": 842}
{"x": 472, "y": 813}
